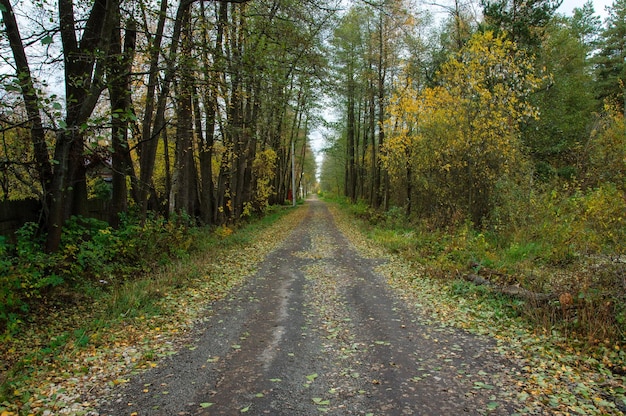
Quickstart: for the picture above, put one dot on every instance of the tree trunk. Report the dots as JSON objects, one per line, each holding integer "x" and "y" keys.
{"x": 350, "y": 144}
{"x": 251, "y": 117}
{"x": 149, "y": 142}
{"x": 303, "y": 153}
{"x": 206, "y": 140}
{"x": 120, "y": 64}
{"x": 83, "y": 86}
{"x": 375, "y": 177}
{"x": 183, "y": 190}
{"x": 149, "y": 137}
{"x": 381, "y": 178}
{"x": 31, "y": 101}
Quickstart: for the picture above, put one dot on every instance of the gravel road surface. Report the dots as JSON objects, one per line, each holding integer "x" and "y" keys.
{"x": 317, "y": 331}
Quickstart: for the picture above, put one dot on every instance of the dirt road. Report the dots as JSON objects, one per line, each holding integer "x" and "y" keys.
{"x": 316, "y": 331}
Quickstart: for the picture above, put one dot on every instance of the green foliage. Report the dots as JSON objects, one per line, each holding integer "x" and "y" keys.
{"x": 565, "y": 225}
{"x": 62, "y": 338}
{"x": 610, "y": 61}
{"x": 586, "y": 25}
{"x": 134, "y": 298}
{"x": 9, "y": 302}
{"x": 567, "y": 106}
{"x": 99, "y": 189}
{"x": 566, "y": 240}
{"x": 26, "y": 275}
{"x": 91, "y": 254}
{"x": 523, "y": 21}
{"x": 605, "y": 151}
{"x": 521, "y": 252}
{"x": 86, "y": 249}
{"x": 604, "y": 214}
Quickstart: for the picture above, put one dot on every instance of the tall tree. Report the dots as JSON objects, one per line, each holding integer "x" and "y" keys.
{"x": 566, "y": 105}
{"x": 350, "y": 41}
{"x": 31, "y": 99}
{"x": 367, "y": 45}
{"x": 460, "y": 138}
{"x": 183, "y": 189}
{"x": 83, "y": 85}
{"x": 611, "y": 60}
{"x": 586, "y": 25}
{"x": 212, "y": 71}
{"x": 253, "y": 94}
{"x": 523, "y": 20}
{"x": 119, "y": 67}
{"x": 148, "y": 144}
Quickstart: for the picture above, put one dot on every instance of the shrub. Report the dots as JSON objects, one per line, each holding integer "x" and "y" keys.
{"x": 91, "y": 252}
{"x": 87, "y": 250}
{"x": 604, "y": 216}
{"x": 25, "y": 275}
{"x": 604, "y": 157}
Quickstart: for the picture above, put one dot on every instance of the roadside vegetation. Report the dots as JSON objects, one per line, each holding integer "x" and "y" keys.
{"x": 93, "y": 258}
{"x": 563, "y": 315}
{"x": 496, "y": 165}
{"x": 118, "y": 301}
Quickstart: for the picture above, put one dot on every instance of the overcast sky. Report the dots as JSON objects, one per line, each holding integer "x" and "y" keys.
{"x": 568, "y": 6}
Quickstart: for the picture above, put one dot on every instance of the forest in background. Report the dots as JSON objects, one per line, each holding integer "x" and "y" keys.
{"x": 492, "y": 148}
{"x": 490, "y": 141}
{"x": 177, "y": 114}
{"x": 193, "y": 107}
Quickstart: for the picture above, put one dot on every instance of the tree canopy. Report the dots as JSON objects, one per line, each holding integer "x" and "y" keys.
{"x": 178, "y": 100}
{"x": 198, "y": 108}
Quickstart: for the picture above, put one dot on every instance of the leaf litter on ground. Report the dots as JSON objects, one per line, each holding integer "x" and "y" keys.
{"x": 59, "y": 367}
{"x": 554, "y": 379}
{"x": 63, "y": 374}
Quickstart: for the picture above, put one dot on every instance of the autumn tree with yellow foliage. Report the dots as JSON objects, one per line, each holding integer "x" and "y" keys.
{"x": 450, "y": 144}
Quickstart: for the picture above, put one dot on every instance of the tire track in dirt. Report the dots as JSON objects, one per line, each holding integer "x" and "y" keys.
{"x": 317, "y": 331}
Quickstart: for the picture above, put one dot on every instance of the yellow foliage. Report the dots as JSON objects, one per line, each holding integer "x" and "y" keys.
{"x": 460, "y": 137}
{"x": 223, "y": 231}
{"x": 604, "y": 215}
{"x": 263, "y": 169}
{"x": 606, "y": 150}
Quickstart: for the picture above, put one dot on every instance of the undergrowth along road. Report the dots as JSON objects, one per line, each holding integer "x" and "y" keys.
{"x": 308, "y": 316}
{"x": 66, "y": 361}
{"x": 555, "y": 377}
{"x": 317, "y": 330}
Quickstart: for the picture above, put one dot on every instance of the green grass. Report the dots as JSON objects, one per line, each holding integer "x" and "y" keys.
{"x": 598, "y": 314}
{"x": 528, "y": 251}
{"x": 560, "y": 372}
{"x": 104, "y": 315}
